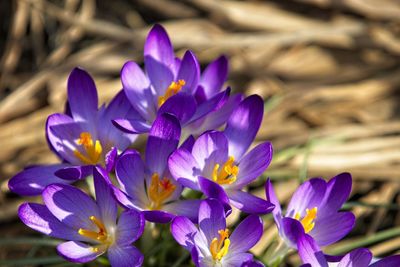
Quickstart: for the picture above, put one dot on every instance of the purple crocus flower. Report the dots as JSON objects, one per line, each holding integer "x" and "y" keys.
{"x": 212, "y": 244}
{"x": 175, "y": 86}
{"x": 82, "y": 138}
{"x": 313, "y": 209}
{"x": 148, "y": 186}
{"x": 312, "y": 256}
{"x": 218, "y": 164}
{"x": 91, "y": 226}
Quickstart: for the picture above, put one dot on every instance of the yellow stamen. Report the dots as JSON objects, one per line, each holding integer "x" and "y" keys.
{"x": 219, "y": 247}
{"x": 92, "y": 149}
{"x": 159, "y": 191}
{"x": 308, "y": 220}
{"x": 172, "y": 89}
{"x": 101, "y": 235}
{"x": 227, "y": 174}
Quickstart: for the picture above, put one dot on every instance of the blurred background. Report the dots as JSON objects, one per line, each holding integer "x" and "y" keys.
{"x": 329, "y": 72}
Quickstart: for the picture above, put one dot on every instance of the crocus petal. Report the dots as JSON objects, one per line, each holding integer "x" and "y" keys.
{"x": 188, "y": 208}
{"x": 213, "y": 190}
{"x": 309, "y": 251}
{"x": 32, "y": 181}
{"x": 211, "y": 218}
{"x": 132, "y": 126}
{"x": 236, "y": 259}
{"x": 130, "y": 227}
{"x": 110, "y": 159}
{"x": 119, "y": 107}
{"x": 391, "y": 261}
{"x": 158, "y": 45}
{"x": 71, "y": 206}
{"x": 214, "y": 76}
{"x": 271, "y": 197}
{"x": 39, "y": 218}
{"x": 309, "y": 195}
{"x": 337, "y": 192}
{"x": 291, "y": 230}
{"x": 329, "y": 229}
{"x": 253, "y": 164}
{"x": 126, "y": 256}
{"x": 158, "y": 216}
{"x": 246, "y": 234}
{"x": 210, "y": 148}
{"x": 210, "y": 105}
{"x": 53, "y": 140}
{"x": 189, "y": 71}
{"x": 160, "y": 75}
{"x": 163, "y": 139}
{"x": 184, "y": 168}
{"x": 127, "y": 201}
{"x": 243, "y": 124}
{"x": 73, "y": 173}
{"x": 357, "y": 258}
{"x": 184, "y": 232}
{"x": 181, "y": 105}
{"x": 82, "y": 95}
{"x": 130, "y": 175}
{"x": 188, "y": 143}
{"x": 137, "y": 89}
{"x": 104, "y": 196}
{"x": 79, "y": 252}
{"x": 249, "y": 203}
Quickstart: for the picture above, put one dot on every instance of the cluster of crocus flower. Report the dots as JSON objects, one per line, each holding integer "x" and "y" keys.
{"x": 198, "y": 138}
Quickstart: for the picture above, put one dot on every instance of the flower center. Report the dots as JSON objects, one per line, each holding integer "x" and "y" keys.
{"x": 220, "y": 246}
{"x": 308, "y": 221}
{"x": 101, "y": 235}
{"x": 172, "y": 89}
{"x": 227, "y": 174}
{"x": 159, "y": 191}
{"x": 92, "y": 149}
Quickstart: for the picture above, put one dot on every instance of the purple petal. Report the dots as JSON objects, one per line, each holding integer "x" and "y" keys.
{"x": 127, "y": 201}
{"x": 181, "y": 105}
{"x": 214, "y": 76}
{"x": 210, "y": 105}
{"x": 160, "y": 74}
{"x": 213, "y": 190}
{"x": 329, "y": 229}
{"x": 237, "y": 259}
{"x": 105, "y": 197}
{"x": 82, "y": 95}
{"x": 39, "y": 218}
{"x": 243, "y": 124}
{"x": 246, "y": 234}
{"x": 188, "y": 143}
{"x": 184, "y": 168}
{"x": 271, "y": 197}
{"x": 337, "y": 192}
{"x": 291, "y": 230}
{"x": 211, "y": 218}
{"x": 158, "y": 45}
{"x": 309, "y": 251}
{"x": 119, "y": 107}
{"x": 162, "y": 141}
{"x": 130, "y": 175}
{"x": 184, "y": 232}
{"x": 71, "y": 206}
{"x": 137, "y": 89}
{"x": 309, "y": 195}
{"x": 158, "y": 216}
{"x": 73, "y": 173}
{"x": 188, "y": 208}
{"x": 249, "y": 203}
{"x": 110, "y": 159}
{"x": 357, "y": 258}
{"x": 252, "y": 263}
{"x": 253, "y": 164}
{"x": 391, "y": 261}
{"x": 52, "y": 140}
{"x": 210, "y": 148}
{"x": 79, "y": 252}
{"x": 126, "y": 256}
{"x": 130, "y": 227}
{"x": 132, "y": 126}
{"x": 32, "y": 181}
{"x": 189, "y": 71}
